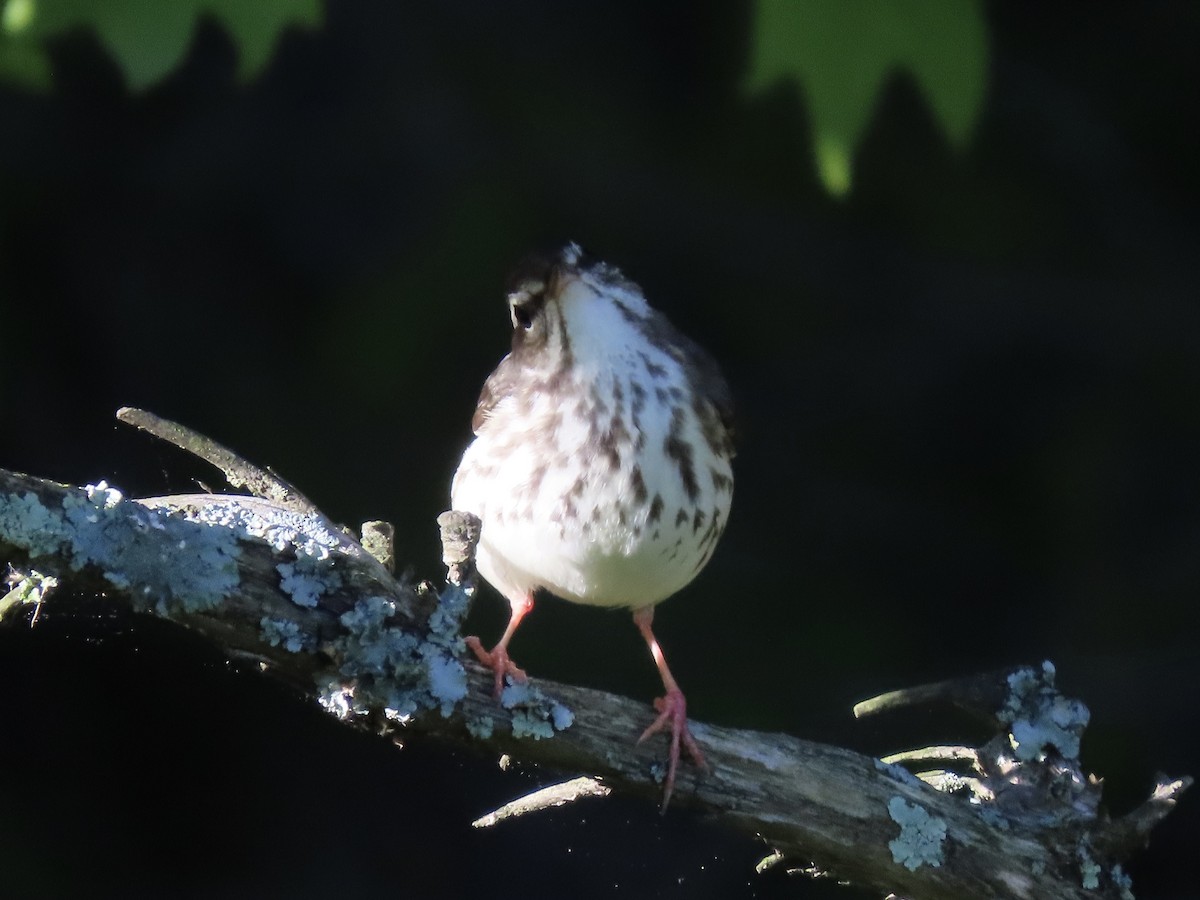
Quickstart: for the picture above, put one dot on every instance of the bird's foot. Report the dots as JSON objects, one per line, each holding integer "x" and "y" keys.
{"x": 672, "y": 713}
{"x": 496, "y": 659}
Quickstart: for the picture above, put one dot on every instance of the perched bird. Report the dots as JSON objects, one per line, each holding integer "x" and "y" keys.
{"x": 601, "y": 465}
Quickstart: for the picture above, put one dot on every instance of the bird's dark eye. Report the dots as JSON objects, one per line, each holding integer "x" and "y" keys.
{"x": 525, "y": 303}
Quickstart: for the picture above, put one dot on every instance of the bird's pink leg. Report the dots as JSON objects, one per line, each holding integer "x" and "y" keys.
{"x": 672, "y": 708}
{"x": 497, "y": 658}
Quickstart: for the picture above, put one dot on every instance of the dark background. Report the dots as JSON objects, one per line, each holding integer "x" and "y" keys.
{"x": 968, "y": 394}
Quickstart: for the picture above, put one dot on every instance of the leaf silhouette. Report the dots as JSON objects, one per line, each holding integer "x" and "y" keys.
{"x": 147, "y": 38}
{"x": 842, "y": 53}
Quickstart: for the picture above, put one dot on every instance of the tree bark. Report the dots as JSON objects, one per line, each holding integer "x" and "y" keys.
{"x": 273, "y": 582}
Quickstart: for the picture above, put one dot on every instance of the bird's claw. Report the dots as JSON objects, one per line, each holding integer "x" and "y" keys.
{"x": 672, "y": 712}
{"x": 498, "y": 660}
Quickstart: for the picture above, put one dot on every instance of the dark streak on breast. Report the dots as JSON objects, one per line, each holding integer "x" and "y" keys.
{"x": 680, "y": 450}
{"x": 656, "y": 508}
{"x": 638, "y": 483}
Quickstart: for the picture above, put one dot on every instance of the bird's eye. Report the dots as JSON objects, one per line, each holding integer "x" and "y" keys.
{"x": 524, "y": 305}
{"x": 522, "y": 316}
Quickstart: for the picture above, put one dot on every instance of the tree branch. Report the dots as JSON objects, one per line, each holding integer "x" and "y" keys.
{"x": 272, "y": 581}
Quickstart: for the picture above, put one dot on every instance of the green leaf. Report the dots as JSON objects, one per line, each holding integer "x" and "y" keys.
{"x": 257, "y": 24}
{"x": 843, "y": 51}
{"x": 147, "y": 38}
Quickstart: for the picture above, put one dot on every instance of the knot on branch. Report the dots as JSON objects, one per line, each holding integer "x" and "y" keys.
{"x": 1028, "y": 777}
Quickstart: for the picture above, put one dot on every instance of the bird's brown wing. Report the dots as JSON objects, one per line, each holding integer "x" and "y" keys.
{"x": 708, "y": 384}
{"x": 711, "y": 383}
{"x": 498, "y": 386}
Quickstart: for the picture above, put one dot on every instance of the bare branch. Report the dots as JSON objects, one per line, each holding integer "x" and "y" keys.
{"x": 548, "y": 797}
{"x": 238, "y": 471}
{"x": 279, "y": 585}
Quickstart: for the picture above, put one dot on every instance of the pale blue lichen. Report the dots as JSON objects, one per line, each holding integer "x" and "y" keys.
{"x": 481, "y": 728}
{"x": 535, "y": 714}
{"x": 31, "y": 525}
{"x": 305, "y": 534}
{"x": 1124, "y": 883}
{"x": 369, "y": 615}
{"x": 561, "y": 717}
{"x": 202, "y": 569}
{"x": 385, "y": 666}
{"x": 285, "y": 633}
{"x": 921, "y": 835}
{"x": 515, "y": 693}
{"x": 185, "y": 560}
{"x": 528, "y": 724}
{"x": 1089, "y": 869}
{"x": 447, "y": 680}
{"x": 445, "y": 623}
{"x": 1039, "y": 717}
{"x": 176, "y": 565}
{"x": 897, "y": 773}
{"x": 371, "y": 646}
{"x": 307, "y": 579}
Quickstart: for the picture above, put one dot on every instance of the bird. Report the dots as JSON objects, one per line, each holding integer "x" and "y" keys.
{"x": 601, "y": 467}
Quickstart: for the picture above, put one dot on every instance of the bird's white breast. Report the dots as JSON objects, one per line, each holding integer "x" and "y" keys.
{"x": 582, "y": 495}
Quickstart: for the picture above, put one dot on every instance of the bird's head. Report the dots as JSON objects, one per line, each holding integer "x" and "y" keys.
{"x": 567, "y": 303}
